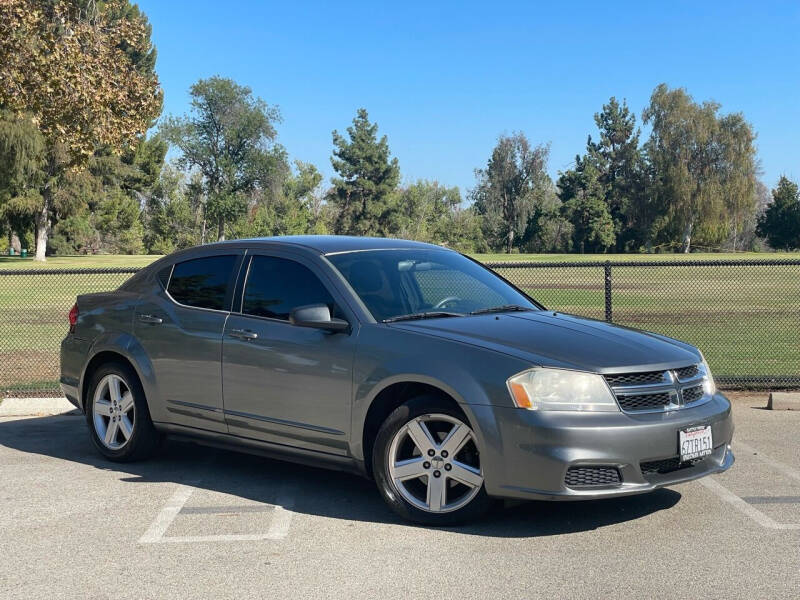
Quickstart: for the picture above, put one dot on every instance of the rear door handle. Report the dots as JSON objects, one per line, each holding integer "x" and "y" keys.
{"x": 243, "y": 334}
{"x": 151, "y": 319}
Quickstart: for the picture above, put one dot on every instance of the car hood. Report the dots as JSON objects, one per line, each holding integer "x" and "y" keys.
{"x": 553, "y": 339}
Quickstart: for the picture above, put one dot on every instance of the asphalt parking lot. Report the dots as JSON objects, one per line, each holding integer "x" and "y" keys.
{"x": 204, "y": 523}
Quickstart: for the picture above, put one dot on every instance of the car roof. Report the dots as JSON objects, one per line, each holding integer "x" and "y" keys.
{"x": 332, "y": 244}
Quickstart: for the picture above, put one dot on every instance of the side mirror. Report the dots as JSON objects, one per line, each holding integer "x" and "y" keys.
{"x": 316, "y": 316}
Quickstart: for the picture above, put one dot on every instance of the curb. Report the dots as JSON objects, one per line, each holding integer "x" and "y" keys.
{"x": 784, "y": 401}
{"x": 35, "y": 407}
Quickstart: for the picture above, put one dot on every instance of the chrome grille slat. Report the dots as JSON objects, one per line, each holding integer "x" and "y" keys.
{"x": 636, "y": 402}
{"x": 637, "y": 379}
{"x": 692, "y": 394}
{"x": 658, "y": 391}
{"x": 686, "y": 373}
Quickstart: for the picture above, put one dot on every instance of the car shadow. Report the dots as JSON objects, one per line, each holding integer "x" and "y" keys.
{"x": 314, "y": 491}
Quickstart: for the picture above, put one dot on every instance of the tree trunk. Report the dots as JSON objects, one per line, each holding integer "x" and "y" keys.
{"x": 42, "y": 227}
{"x": 687, "y": 237}
{"x": 221, "y": 230}
{"x": 510, "y": 240}
{"x": 13, "y": 242}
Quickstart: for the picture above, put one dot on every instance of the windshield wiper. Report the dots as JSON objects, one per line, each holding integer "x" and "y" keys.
{"x": 433, "y": 314}
{"x": 503, "y": 308}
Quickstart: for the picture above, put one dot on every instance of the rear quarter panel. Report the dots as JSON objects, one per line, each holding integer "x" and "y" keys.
{"x": 104, "y": 323}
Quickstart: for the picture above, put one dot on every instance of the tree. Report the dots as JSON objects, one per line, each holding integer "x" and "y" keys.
{"x": 100, "y": 206}
{"x": 303, "y": 188}
{"x": 780, "y": 223}
{"x": 21, "y": 160}
{"x": 747, "y": 238}
{"x": 229, "y": 138}
{"x": 431, "y": 212}
{"x": 169, "y": 221}
{"x": 702, "y": 165}
{"x": 618, "y": 160}
{"x": 512, "y": 184}
{"x": 422, "y": 206}
{"x": 584, "y": 194}
{"x": 547, "y": 229}
{"x": 79, "y": 71}
{"x": 363, "y": 192}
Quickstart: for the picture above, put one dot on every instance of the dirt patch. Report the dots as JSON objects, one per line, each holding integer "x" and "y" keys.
{"x": 29, "y": 369}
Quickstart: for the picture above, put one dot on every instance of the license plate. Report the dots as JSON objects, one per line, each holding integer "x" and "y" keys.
{"x": 695, "y": 442}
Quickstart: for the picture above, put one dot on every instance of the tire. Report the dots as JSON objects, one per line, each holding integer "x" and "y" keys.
{"x": 442, "y": 488}
{"x": 116, "y": 411}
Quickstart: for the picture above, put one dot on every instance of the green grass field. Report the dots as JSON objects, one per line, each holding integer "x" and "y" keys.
{"x": 745, "y": 319}
{"x": 637, "y": 257}
{"x": 100, "y": 261}
{"x": 106, "y": 260}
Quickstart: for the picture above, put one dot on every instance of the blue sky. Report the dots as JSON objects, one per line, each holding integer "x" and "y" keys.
{"x": 444, "y": 79}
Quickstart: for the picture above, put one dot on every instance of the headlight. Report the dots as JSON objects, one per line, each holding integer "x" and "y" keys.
{"x": 559, "y": 389}
{"x": 709, "y": 387}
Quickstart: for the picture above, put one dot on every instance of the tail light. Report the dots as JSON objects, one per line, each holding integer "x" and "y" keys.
{"x": 73, "y": 317}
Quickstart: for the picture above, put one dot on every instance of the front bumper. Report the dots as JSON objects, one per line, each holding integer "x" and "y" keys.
{"x": 526, "y": 454}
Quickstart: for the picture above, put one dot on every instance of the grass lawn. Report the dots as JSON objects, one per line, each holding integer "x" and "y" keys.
{"x": 745, "y": 319}
{"x": 99, "y": 261}
{"x": 109, "y": 260}
{"x": 638, "y": 257}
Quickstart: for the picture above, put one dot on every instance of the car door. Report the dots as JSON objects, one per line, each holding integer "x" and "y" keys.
{"x": 180, "y": 328}
{"x": 283, "y": 383}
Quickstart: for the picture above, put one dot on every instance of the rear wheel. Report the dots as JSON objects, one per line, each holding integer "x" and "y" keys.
{"x": 427, "y": 464}
{"x": 117, "y": 414}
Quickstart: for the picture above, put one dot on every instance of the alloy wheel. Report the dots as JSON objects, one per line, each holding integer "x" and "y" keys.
{"x": 114, "y": 412}
{"x": 434, "y": 463}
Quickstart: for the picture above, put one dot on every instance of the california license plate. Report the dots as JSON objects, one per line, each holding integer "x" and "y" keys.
{"x": 695, "y": 442}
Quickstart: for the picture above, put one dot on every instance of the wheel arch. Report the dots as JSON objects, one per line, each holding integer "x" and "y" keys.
{"x": 394, "y": 394}
{"x": 116, "y": 349}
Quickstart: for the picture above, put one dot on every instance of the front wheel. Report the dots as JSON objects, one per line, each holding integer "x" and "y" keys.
{"x": 427, "y": 464}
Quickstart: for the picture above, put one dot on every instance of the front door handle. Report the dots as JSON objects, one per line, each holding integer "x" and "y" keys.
{"x": 151, "y": 319}
{"x": 243, "y": 334}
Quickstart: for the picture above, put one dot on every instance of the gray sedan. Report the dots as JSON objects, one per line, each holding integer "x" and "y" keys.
{"x": 402, "y": 361}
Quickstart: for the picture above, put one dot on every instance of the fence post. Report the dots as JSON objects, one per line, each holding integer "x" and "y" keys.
{"x": 607, "y": 286}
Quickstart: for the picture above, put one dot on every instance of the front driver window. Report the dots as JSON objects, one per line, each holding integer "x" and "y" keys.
{"x": 277, "y": 285}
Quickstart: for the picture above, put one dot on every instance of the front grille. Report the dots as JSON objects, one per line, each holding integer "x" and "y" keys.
{"x": 644, "y": 401}
{"x": 657, "y": 390}
{"x": 667, "y": 465}
{"x": 583, "y": 477}
{"x": 692, "y": 394}
{"x": 687, "y": 372}
{"x": 646, "y": 378}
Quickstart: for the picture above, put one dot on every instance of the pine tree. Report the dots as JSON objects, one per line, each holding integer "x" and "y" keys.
{"x": 780, "y": 223}
{"x": 363, "y": 192}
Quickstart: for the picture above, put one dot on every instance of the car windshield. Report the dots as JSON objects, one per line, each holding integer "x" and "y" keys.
{"x": 420, "y": 283}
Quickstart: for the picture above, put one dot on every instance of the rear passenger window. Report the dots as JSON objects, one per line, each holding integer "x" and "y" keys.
{"x": 202, "y": 282}
{"x": 276, "y": 285}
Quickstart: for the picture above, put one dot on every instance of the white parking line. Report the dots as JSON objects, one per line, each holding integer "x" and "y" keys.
{"x": 278, "y": 529}
{"x": 778, "y": 466}
{"x": 746, "y": 507}
{"x": 164, "y": 519}
{"x": 743, "y": 507}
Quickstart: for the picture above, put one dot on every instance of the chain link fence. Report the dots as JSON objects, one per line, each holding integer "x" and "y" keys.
{"x": 34, "y": 304}
{"x": 743, "y": 314}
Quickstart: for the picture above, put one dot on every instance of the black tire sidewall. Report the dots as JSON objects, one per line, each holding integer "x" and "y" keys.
{"x": 421, "y": 405}
{"x": 143, "y": 435}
